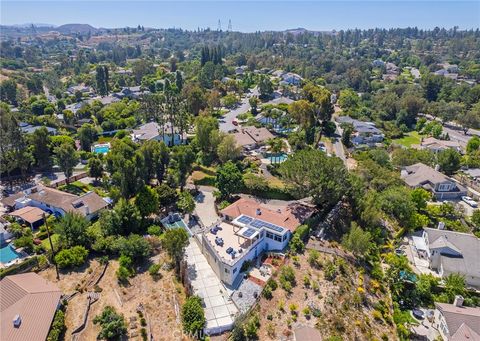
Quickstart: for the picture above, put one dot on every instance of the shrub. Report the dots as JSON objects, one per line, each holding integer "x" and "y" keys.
{"x": 293, "y": 308}
{"x": 58, "y": 327}
{"x": 287, "y": 278}
{"x": 330, "y": 271}
{"x": 193, "y": 316}
{"x": 272, "y": 284}
{"x": 112, "y": 324}
{"x": 154, "y": 269}
{"x": 74, "y": 256}
{"x": 267, "y": 292}
{"x": 154, "y": 230}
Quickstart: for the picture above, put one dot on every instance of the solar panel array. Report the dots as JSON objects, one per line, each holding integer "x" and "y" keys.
{"x": 249, "y": 232}
{"x": 245, "y": 219}
{"x": 257, "y": 223}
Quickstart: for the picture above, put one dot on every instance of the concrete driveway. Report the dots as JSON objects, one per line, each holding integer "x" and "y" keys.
{"x": 226, "y": 124}
{"x": 205, "y": 206}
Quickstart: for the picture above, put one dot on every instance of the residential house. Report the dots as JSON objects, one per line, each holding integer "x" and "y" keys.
{"x": 364, "y": 133}
{"x": 54, "y": 201}
{"x": 446, "y": 73}
{"x": 291, "y": 78}
{"x": 30, "y": 129}
{"x": 240, "y": 70}
{"x": 252, "y": 137}
{"x": 133, "y": 92}
{"x": 455, "y": 322}
{"x": 28, "y": 306}
{"x": 153, "y": 131}
{"x": 441, "y": 186}
{"x": 451, "y": 252}
{"x": 247, "y": 231}
{"x": 436, "y": 145}
{"x": 85, "y": 90}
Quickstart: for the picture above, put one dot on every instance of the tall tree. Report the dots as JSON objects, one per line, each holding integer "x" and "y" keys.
{"x": 66, "y": 158}
{"x": 40, "y": 141}
{"x": 87, "y": 134}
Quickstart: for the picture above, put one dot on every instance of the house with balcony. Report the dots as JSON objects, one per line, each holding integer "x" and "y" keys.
{"x": 442, "y": 187}
{"x": 249, "y": 229}
{"x": 364, "y": 133}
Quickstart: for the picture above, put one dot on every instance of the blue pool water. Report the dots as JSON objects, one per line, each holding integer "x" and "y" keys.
{"x": 101, "y": 149}
{"x": 7, "y": 254}
{"x": 277, "y": 158}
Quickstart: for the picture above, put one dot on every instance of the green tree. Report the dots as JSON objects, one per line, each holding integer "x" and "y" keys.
{"x": 228, "y": 150}
{"x": 135, "y": 247}
{"x": 204, "y": 126}
{"x": 87, "y": 134}
{"x": 357, "y": 240}
{"x": 265, "y": 87}
{"x": 72, "y": 229}
{"x": 8, "y": 91}
{"x": 66, "y": 158}
{"x": 112, "y": 324}
{"x": 229, "y": 179}
{"x": 420, "y": 197}
{"x": 470, "y": 119}
{"x": 454, "y": 285}
{"x": 175, "y": 241}
{"x": 95, "y": 167}
{"x": 123, "y": 219}
{"x": 313, "y": 173}
{"x": 347, "y": 135}
{"x": 182, "y": 160}
{"x": 102, "y": 80}
{"x": 473, "y": 144}
{"x": 74, "y": 256}
{"x": 193, "y": 316}
{"x": 449, "y": 160}
{"x": 40, "y": 140}
{"x": 185, "y": 202}
{"x": 147, "y": 201}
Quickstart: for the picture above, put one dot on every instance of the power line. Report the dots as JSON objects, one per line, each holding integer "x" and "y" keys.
{"x": 229, "y": 25}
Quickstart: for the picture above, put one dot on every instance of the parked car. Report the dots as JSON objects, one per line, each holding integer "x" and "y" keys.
{"x": 470, "y": 201}
{"x": 418, "y": 314}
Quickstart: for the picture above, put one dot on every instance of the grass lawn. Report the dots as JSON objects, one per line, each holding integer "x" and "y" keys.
{"x": 79, "y": 188}
{"x": 409, "y": 139}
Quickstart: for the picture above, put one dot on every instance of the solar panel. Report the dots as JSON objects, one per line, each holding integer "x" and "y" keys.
{"x": 248, "y": 233}
{"x": 257, "y": 223}
{"x": 244, "y": 219}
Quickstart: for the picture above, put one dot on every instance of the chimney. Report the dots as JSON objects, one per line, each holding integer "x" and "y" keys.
{"x": 458, "y": 302}
{"x": 17, "y": 321}
{"x": 258, "y": 212}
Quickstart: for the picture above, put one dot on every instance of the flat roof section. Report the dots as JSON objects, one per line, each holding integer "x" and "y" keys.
{"x": 220, "y": 311}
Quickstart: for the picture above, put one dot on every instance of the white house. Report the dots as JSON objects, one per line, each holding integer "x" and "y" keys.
{"x": 451, "y": 252}
{"x": 247, "y": 231}
{"x": 153, "y": 131}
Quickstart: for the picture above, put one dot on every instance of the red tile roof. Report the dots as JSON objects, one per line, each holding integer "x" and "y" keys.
{"x": 289, "y": 217}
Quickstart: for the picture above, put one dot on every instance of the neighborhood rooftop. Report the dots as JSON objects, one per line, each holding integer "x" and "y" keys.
{"x": 33, "y": 300}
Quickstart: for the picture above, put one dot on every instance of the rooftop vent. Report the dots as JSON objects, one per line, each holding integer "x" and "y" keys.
{"x": 458, "y": 302}
{"x": 17, "y": 321}
{"x": 258, "y": 212}
{"x": 42, "y": 192}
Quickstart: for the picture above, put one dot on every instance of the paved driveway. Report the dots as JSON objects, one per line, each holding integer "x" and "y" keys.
{"x": 227, "y": 123}
{"x": 205, "y": 206}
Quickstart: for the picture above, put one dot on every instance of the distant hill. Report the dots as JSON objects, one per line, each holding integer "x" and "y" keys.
{"x": 75, "y": 28}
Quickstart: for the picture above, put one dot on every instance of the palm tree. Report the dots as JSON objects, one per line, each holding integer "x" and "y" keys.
{"x": 276, "y": 146}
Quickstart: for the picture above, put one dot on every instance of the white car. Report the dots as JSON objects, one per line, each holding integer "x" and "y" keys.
{"x": 470, "y": 201}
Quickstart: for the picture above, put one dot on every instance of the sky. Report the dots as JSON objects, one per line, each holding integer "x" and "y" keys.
{"x": 246, "y": 16}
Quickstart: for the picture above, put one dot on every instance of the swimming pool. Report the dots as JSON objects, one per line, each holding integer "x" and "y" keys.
{"x": 101, "y": 148}
{"x": 8, "y": 253}
{"x": 277, "y": 158}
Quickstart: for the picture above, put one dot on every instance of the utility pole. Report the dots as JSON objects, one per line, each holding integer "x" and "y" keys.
{"x": 219, "y": 27}
{"x": 51, "y": 246}
{"x": 230, "y": 25}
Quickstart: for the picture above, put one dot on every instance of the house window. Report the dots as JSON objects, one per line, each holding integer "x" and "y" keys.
{"x": 234, "y": 270}
{"x": 285, "y": 237}
{"x": 227, "y": 271}
{"x": 444, "y": 187}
